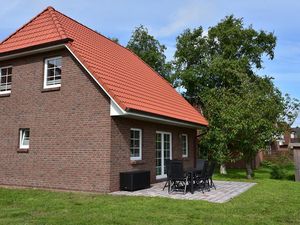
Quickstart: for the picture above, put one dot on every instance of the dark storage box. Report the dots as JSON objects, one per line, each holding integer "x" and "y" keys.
{"x": 134, "y": 180}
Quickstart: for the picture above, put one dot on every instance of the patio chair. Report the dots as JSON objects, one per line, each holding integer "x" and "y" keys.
{"x": 210, "y": 173}
{"x": 201, "y": 177}
{"x": 200, "y": 164}
{"x": 178, "y": 180}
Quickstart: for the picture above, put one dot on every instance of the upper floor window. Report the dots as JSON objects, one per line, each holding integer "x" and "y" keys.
{"x": 24, "y": 138}
{"x": 52, "y": 73}
{"x": 185, "y": 145}
{"x": 135, "y": 144}
{"x": 292, "y": 135}
{"x": 5, "y": 80}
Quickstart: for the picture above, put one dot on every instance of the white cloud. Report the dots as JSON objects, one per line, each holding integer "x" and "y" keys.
{"x": 193, "y": 13}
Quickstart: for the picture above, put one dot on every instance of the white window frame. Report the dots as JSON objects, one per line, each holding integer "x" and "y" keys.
{"x": 22, "y": 136}
{"x": 46, "y": 73}
{"x": 186, "y": 145}
{"x": 140, "y": 146}
{"x": 4, "y": 92}
{"x": 164, "y": 173}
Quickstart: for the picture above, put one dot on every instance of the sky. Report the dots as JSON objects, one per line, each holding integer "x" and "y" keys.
{"x": 166, "y": 19}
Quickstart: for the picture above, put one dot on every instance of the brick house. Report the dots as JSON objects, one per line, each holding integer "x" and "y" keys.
{"x": 286, "y": 141}
{"x": 77, "y": 109}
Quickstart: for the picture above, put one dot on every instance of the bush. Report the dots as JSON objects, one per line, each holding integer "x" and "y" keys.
{"x": 267, "y": 163}
{"x": 282, "y": 166}
{"x": 283, "y": 171}
{"x": 291, "y": 177}
{"x": 278, "y": 172}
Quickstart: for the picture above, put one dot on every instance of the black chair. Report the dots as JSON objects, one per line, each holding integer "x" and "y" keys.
{"x": 210, "y": 174}
{"x": 168, "y": 173}
{"x": 178, "y": 180}
{"x": 201, "y": 176}
{"x": 200, "y": 164}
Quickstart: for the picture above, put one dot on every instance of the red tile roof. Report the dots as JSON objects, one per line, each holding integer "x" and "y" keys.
{"x": 127, "y": 79}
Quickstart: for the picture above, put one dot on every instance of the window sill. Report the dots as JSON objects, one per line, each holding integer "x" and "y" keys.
{"x": 51, "y": 89}
{"x": 23, "y": 150}
{"x": 137, "y": 162}
{"x": 185, "y": 158}
{"x": 5, "y": 95}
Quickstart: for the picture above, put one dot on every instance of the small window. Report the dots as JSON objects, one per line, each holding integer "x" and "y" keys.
{"x": 292, "y": 135}
{"x": 135, "y": 144}
{"x": 5, "y": 80}
{"x": 52, "y": 76}
{"x": 185, "y": 145}
{"x": 24, "y": 138}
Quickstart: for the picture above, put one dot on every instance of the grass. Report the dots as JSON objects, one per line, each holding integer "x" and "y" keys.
{"x": 268, "y": 202}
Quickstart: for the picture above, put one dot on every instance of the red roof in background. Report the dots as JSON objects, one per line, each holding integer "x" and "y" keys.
{"x": 127, "y": 79}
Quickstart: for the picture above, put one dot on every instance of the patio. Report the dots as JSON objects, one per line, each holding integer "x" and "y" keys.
{"x": 225, "y": 191}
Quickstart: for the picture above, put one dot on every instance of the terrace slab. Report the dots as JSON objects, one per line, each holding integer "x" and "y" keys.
{"x": 226, "y": 190}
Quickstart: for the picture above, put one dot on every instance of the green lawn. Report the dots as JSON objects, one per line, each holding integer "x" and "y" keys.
{"x": 268, "y": 202}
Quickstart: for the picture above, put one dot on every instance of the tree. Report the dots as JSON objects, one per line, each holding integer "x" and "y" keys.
{"x": 252, "y": 117}
{"x": 114, "y": 39}
{"x": 150, "y": 50}
{"x": 228, "y": 52}
{"x": 218, "y": 73}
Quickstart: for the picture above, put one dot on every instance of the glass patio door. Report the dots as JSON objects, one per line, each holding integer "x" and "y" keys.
{"x": 163, "y": 153}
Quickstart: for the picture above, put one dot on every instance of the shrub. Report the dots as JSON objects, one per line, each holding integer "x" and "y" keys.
{"x": 283, "y": 171}
{"x": 282, "y": 166}
{"x": 278, "y": 172}
{"x": 291, "y": 177}
{"x": 267, "y": 163}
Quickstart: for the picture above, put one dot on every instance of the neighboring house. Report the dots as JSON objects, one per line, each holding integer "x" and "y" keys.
{"x": 294, "y": 138}
{"x": 295, "y": 135}
{"x": 77, "y": 109}
{"x": 287, "y": 140}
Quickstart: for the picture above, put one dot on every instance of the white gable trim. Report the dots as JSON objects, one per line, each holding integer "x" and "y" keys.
{"x": 118, "y": 108}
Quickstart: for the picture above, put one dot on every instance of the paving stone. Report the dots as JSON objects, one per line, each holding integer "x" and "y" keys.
{"x": 226, "y": 190}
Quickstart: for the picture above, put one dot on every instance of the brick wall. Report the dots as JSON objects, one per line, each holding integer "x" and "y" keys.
{"x": 120, "y": 154}
{"x": 69, "y": 129}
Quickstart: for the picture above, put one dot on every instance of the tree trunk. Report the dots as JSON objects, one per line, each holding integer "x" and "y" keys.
{"x": 223, "y": 169}
{"x": 249, "y": 170}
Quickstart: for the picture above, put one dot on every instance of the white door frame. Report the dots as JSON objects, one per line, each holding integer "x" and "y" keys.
{"x": 164, "y": 175}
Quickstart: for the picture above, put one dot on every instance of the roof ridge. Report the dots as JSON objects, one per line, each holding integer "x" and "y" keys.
{"x": 96, "y": 32}
{"x": 57, "y": 23}
{"x": 24, "y": 25}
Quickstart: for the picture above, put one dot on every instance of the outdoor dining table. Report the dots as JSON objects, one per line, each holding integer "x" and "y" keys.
{"x": 191, "y": 172}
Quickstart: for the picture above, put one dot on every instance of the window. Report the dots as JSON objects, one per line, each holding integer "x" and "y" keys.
{"x": 185, "y": 145}
{"x": 5, "y": 80}
{"x": 52, "y": 76}
{"x": 293, "y": 135}
{"x": 24, "y": 138}
{"x": 135, "y": 144}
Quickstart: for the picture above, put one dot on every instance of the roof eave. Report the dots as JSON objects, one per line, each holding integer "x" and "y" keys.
{"x": 116, "y": 111}
{"x": 164, "y": 119}
{"x": 49, "y": 46}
